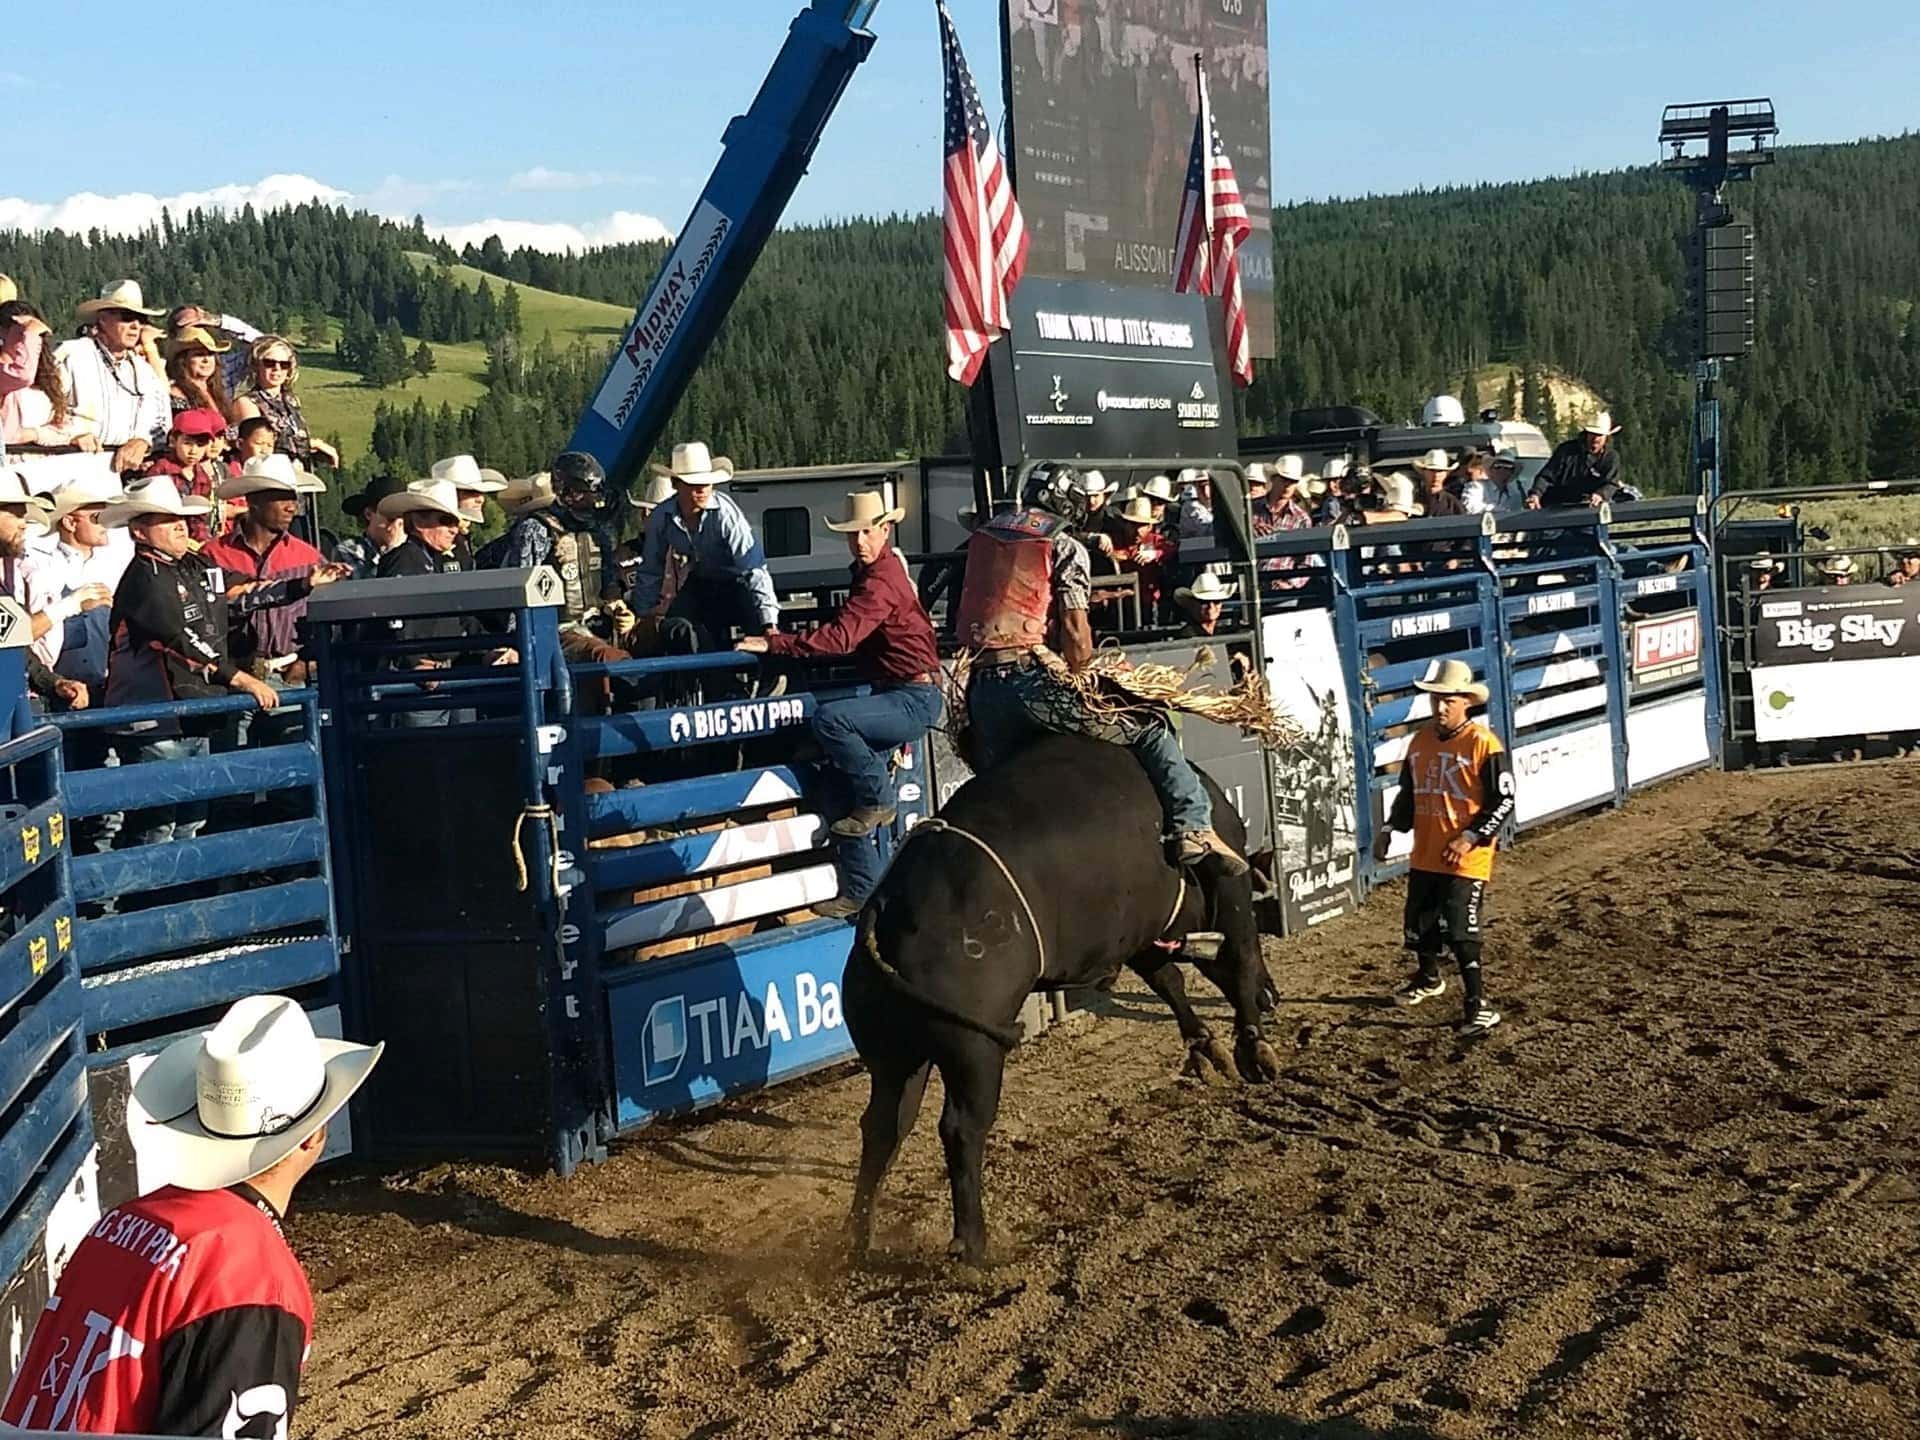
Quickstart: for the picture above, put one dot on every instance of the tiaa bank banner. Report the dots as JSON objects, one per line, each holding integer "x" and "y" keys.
{"x": 725, "y": 1022}
{"x": 1836, "y": 660}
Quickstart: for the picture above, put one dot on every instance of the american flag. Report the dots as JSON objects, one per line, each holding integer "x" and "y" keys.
{"x": 986, "y": 239}
{"x": 1213, "y": 225}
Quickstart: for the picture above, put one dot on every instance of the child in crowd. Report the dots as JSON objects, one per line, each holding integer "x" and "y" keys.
{"x": 189, "y": 458}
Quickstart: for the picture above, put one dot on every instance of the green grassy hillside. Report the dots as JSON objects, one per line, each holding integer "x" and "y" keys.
{"x": 338, "y": 404}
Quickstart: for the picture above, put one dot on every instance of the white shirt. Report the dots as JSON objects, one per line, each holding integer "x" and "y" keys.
{"x": 53, "y": 570}
{"x": 124, "y": 400}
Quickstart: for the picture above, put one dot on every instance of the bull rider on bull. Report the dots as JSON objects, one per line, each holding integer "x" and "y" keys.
{"x": 1029, "y": 582}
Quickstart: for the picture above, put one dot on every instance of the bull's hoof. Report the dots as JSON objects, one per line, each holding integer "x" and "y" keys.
{"x": 1259, "y": 1062}
{"x": 967, "y": 1252}
{"x": 1211, "y": 1062}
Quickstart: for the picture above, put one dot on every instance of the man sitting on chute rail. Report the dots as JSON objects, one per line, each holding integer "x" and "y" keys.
{"x": 1028, "y": 581}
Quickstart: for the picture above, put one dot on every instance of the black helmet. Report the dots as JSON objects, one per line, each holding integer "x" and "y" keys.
{"x": 1057, "y": 488}
{"x": 577, "y": 470}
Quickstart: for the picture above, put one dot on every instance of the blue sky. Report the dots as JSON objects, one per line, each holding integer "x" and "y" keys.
{"x": 600, "y": 119}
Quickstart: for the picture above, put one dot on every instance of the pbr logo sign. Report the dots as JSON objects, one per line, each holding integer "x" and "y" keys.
{"x": 724, "y": 722}
{"x": 1666, "y": 649}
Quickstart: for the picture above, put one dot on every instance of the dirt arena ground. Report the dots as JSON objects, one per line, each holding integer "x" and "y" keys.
{"x": 1677, "y": 1194}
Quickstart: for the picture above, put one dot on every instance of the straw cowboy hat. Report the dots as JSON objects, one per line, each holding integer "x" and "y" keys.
{"x": 274, "y": 474}
{"x": 438, "y": 496}
{"x": 1453, "y": 677}
{"x": 1092, "y": 482}
{"x": 194, "y": 337}
{"x": 864, "y": 510}
{"x": 1135, "y": 510}
{"x": 1909, "y": 549}
{"x": 223, "y": 1107}
{"x": 463, "y": 472}
{"x": 692, "y": 464}
{"x": 1435, "y": 459}
{"x": 13, "y": 491}
{"x": 158, "y": 496}
{"x": 529, "y": 495}
{"x": 1601, "y": 424}
{"x": 1209, "y": 589}
{"x": 1159, "y": 488}
{"x": 85, "y": 490}
{"x": 1837, "y": 565}
{"x": 119, "y": 295}
{"x": 1396, "y": 492}
{"x": 659, "y": 490}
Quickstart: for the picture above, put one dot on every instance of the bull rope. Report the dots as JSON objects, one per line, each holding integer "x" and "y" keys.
{"x": 938, "y": 825}
{"x": 538, "y": 814}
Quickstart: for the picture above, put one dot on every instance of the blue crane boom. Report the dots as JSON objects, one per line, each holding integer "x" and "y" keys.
{"x": 766, "y": 152}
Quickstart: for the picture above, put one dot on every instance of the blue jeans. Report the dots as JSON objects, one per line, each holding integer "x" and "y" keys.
{"x": 1007, "y": 707}
{"x": 857, "y": 736}
{"x": 163, "y": 824}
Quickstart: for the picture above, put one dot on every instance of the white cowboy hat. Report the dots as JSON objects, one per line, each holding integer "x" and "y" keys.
{"x": 439, "y": 496}
{"x": 1208, "y": 588}
{"x": 1396, "y": 492}
{"x": 274, "y": 474}
{"x": 1259, "y": 480}
{"x": 463, "y": 472}
{"x": 659, "y": 490}
{"x": 1337, "y": 468}
{"x": 1195, "y": 476}
{"x": 101, "y": 488}
{"x": 1135, "y": 510}
{"x": 1837, "y": 565}
{"x": 1092, "y": 482}
{"x": 1290, "y": 467}
{"x": 1766, "y": 563}
{"x": 1159, "y": 488}
{"x": 529, "y": 495}
{"x": 1435, "y": 459}
{"x": 13, "y": 491}
{"x": 157, "y": 496}
{"x": 692, "y": 464}
{"x": 220, "y": 1108}
{"x": 864, "y": 510}
{"x": 118, "y": 295}
{"x": 1315, "y": 487}
{"x": 1601, "y": 424}
{"x": 1453, "y": 677}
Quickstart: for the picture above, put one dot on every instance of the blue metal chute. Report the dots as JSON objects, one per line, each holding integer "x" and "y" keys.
{"x": 767, "y": 151}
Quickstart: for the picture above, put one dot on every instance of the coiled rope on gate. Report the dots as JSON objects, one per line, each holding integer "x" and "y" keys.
{"x": 539, "y": 814}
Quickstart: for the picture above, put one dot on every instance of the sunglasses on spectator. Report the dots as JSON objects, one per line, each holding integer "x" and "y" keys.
{"x": 268, "y": 362}
{"x": 123, "y": 317}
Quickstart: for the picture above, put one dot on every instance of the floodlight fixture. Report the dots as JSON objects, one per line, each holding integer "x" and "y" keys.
{"x": 1700, "y": 140}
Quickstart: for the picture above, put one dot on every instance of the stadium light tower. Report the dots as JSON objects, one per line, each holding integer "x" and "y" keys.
{"x": 1699, "y": 143}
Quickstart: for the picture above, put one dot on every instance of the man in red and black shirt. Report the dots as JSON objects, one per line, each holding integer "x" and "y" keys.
{"x": 884, "y": 627}
{"x": 184, "y": 1312}
{"x": 260, "y": 549}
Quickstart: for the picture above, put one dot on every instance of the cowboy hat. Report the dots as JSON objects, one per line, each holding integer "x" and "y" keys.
{"x": 1337, "y": 468}
{"x": 13, "y": 491}
{"x": 1209, "y": 589}
{"x": 222, "y": 1107}
{"x": 692, "y": 464}
{"x": 1909, "y": 549}
{"x": 463, "y": 472}
{"x": 1601, "y": 424}
{"x": 84, "y": 490}
{"x": 1135, "y": 510}
{"x": 1290, "y": 467}
{"x": 119, "y": 295}
{"x": 377, "y": 489}
{"x": 1258, "y": 482}
{"x": 439, "y": 496}
{"x": 526, "y": 496}
{"x": 195, "y": 337}
{"x": 1836, "y": 565}
{"x": 1159, "y": 488}
{"x": 1396, "y": 493}
{"x": 1435, "y": 459}
{"x": 1765, "y": 563}
{"x": 1092, "y": 482}
{"x": 274, "y": 474}
{"x": 864, "y": 510}
{"x": 659, "y": 490}
{"x": 155, "y": 496}
{"x": 1453, "y": 677}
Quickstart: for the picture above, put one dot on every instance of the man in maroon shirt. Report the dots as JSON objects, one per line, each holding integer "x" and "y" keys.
{"x": 884, "y": 627}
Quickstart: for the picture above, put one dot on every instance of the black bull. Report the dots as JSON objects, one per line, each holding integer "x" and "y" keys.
{"x": 944, "y": 955}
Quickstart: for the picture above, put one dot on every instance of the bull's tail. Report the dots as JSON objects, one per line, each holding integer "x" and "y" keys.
{"x": 867, "y": 951}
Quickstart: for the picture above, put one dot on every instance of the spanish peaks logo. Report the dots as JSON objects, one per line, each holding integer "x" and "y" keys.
{"x": 663, "y": 1040}
{"x": 1199, "y": 391}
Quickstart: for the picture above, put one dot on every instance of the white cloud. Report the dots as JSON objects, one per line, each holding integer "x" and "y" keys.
{"x": 136, "y": 210}
{"x": 395, "y": 197}
{"x": 542, "y": 178}
{"x": 623, "y": 227}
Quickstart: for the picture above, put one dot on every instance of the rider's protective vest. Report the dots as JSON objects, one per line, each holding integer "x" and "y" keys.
{"x": 576, "y": 555}
{"x": 1008, "y": 594}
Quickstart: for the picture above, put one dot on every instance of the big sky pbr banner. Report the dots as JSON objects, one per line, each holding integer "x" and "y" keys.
{"x": 1837, "y": 660}
{"x": 1102, "y": 95}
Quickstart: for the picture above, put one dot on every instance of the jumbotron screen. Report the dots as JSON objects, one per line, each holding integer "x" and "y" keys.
{"x": 1103, "y": 100}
